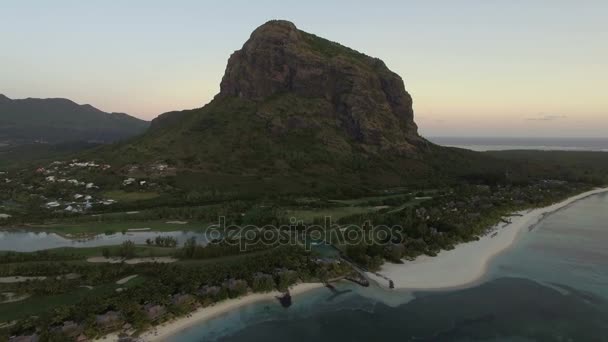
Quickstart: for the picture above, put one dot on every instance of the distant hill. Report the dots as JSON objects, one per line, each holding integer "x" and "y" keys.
{"x": 297, "y": 113}
{"x": 61, "y": 120}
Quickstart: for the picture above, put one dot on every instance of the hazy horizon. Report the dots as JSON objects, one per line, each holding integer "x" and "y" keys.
{"x": 473, "y": 68}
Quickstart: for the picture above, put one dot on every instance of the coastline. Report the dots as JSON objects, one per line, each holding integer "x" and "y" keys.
{"x": 467, "y": 263}
{"x": 461, "y": 267}
{"x": 170, "y": 328}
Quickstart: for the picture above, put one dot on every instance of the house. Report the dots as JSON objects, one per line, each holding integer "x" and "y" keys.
{"x": 327, "y": 261}
{"x": 154, "y": 312}
{"x": 109, "y": 321}
{"x": 128, "y": 181}
{"x": 235, "y": 284}
{"x": 284, "y": 271}
{"x": 4, "y": 216}
{"x": 160, "y": 167}
{"x": 90, "y": 186}
{"x": 78, "y": 196}
{"x": 83, "y": 164}
{"x": 53, "y": 204}
{"x": 69, "y": 329}
{"x": 260, "y": 275}
{"x": 182, "y": 299}
{"x": 209, "y": 291}
{"x": 50, "y": 179}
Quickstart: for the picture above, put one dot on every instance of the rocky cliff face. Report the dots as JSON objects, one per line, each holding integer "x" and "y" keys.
{"x": 367, "y": 100}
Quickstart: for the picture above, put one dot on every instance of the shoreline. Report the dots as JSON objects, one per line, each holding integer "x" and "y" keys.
{"x": 201, "y": 315}
{"x": 467, "y": 264}
{"x": 461, "y": 267}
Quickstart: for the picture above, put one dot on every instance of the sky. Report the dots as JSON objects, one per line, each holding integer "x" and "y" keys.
{"x": 474, "y": 68}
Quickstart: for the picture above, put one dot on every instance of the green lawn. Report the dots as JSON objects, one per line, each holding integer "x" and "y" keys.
{"x": 335, "y": 213}
{"x": 41, "y": 304}
{"x": 308, "y": 215}
{"x": 363, "y": 200}
{"x": 411, "y": 203}
{"x": 123, "y": 196}
{"x": 223, "y": 259}
{"x": 101, "y": 227}
{"x": 83, "y": 253}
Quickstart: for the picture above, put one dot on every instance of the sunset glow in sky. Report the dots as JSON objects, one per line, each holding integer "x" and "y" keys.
{"x": 474, "y": 68}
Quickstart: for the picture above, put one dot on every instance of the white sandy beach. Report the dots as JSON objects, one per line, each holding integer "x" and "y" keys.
{"x": 466, "y": 263}
{"x": 165, "y": 330}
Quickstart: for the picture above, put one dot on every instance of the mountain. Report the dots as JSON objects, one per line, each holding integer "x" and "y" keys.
{"x": 358, "y": 94}
{"x": 61, "y": 120}
{"x": 297, "y": 112}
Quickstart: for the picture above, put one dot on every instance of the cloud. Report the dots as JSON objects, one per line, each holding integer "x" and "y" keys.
{"x": 547, "y": 117}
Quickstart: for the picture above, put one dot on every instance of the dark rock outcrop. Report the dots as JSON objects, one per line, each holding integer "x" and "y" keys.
{"x": 369, "y": 101}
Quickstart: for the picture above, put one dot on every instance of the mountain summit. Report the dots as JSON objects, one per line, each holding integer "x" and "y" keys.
{"x": 365, "y": 98}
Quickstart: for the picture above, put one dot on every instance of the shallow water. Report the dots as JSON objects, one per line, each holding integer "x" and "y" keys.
{"x": 22, "y": 241}
{"x": 551, "y": 286}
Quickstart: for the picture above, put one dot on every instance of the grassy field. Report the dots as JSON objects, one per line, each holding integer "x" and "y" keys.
{"x": 123, "y": 196}
{"x": 308, "y": 215}
{"x": 36, "y": 305}
{"x": 363, "y": 200}
{"x": 357, "y": 206}
{"x": 411, "y": 203}
{"x": 83, "y": 253}
{"x": 108, "y": 227}
{"x": 40, "y": 304}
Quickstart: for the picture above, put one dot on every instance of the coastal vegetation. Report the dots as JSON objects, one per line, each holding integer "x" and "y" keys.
{"x": 74, "y": 291}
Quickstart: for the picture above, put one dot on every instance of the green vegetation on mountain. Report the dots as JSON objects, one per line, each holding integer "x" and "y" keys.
{"x": 298, "y": 114}
{"x": 60, "y": 120}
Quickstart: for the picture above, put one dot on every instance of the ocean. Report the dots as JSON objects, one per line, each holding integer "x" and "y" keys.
{"x": 543, "y": 144}
{"x": 552, "y": 285}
